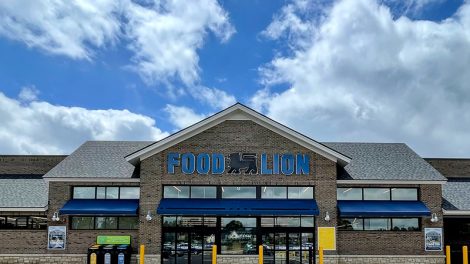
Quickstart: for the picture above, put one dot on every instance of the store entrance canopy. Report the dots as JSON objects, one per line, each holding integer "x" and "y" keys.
{"x": 382, "y": 208}
{"x": 235, "y": 207}
{"x": 100, "y": 207}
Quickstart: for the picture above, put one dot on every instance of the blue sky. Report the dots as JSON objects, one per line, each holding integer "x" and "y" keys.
{"x": 346, "y": 70}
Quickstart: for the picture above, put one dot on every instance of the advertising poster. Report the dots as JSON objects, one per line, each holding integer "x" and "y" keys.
{"x": 56, "y": 237}
{"x": 433, "y": 239}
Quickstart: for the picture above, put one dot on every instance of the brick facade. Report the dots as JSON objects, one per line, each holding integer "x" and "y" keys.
{"x": 393, "y": 242}
{"x": 31, "y": 164}
{"x": 78, "y": 241}
{"x": 451, "y": 167}
{"x": 229, "y": 137}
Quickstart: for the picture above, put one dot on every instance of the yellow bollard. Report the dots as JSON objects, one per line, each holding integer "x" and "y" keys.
{"x": 320, "y": 255}
{"x": 142, "y": 254}
{"x": 465, "y": 254}
{"x": 261, "y": 256}
{"x": 447, "y": 254}
{"x": 214, "y": 254}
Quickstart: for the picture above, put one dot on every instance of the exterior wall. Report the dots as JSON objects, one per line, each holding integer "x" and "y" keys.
{"x": 78, "y": 241}
{"x": 394, "y": 242}
{"x": 23, "y": 241}
{"x": 451, "y": 167}
{"x": 28, "y": 164}
{"x": 229, "y": 137}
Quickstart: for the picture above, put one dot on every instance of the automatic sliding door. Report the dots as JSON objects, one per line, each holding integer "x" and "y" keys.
{"x": 268, "y": 248}
{"x": 308, "y": 245}
{"x": 294, "y": 248}
{"x": 182, "y": 248}
{"x": 280, "y": 254}
{"x": 168, "y": 250}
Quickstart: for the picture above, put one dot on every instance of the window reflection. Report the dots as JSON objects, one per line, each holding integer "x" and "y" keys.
{"x": 238, "y": 236}
{"x": 269, "y": 192}
{"x": 300, "y": 192}
{"x": 349, "y": 193}
{"x": 203, "y": 192}
{"x": 231, "y": 192}
{"x": 376, "y": 194}
{"x": 176, "y": 192}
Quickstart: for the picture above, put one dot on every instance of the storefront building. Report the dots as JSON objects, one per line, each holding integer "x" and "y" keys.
{"x": 236, "y": 180}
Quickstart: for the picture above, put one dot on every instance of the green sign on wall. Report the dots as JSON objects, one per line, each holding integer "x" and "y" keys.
{"x": 113, "y": 240}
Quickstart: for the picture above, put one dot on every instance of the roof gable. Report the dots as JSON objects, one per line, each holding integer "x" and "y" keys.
{"x": 238, "y": 112}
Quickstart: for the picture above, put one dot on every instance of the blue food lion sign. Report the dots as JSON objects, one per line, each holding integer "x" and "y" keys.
{"x": 237, "y": 163}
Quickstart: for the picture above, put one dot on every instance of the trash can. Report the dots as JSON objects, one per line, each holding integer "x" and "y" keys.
{"x": 95, "y": 255}
{"x": 109, "y": 254}
{"x": 123, "y": 253}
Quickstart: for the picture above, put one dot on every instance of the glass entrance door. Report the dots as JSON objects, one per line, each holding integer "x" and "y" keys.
{"x": 287, "y": 247}
{"x": 187, "y": 247}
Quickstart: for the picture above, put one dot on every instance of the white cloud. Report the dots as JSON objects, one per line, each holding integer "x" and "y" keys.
{"x": 358, "y": 74}
{"x": 39, "y": 127}
{"x": 28, "y": 93}
{"x": 166, "y": 36}
{"x": 182, "y": 116}
{"x": 70, "y": 28}
{"x": 214, "y": 97}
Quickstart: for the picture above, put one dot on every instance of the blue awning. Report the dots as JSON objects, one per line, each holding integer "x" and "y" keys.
{"x": 382, "y": 208}
{"x": 100, "y": 207}
{"x": 235, "y": 207}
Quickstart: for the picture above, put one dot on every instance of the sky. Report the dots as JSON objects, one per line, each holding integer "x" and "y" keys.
{"x": 337, "y": 71}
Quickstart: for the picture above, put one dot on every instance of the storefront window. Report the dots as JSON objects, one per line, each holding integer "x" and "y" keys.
{"x": 232, "y": 192}
{"x": 269, "y": 192}
{"x": 380, "y": 224}
{"x": 106, "y": 192}
{"x": 267, "y": 221}
{"x": 376, "y": 193}
{"x": 169, "y": 221}
{"x": 38, "y": 222}
{"x": 84, "y": 193}
{"x": 106, "y": 223}
{"x": 129, "y": 193}
{"x": 112, "y": 192}
{"x": 176, "y": 192}
{"x": 83, "y": 222}
{"x": 405, "y": 194}
{"x": 128, "y": 223}
{"x": 203, "y": 192}
{"x": 405, "y": 224}
{"x": 238, "y": 236}
{"x": 351, "y": 224}
{"x": 349, "y": 193}
{"x": 288, "y": 221}
{"x": 300, "y": 192}
{"x": 307, "y": 221}
{"x": 190, "y": 221}
{"x": 100, "y": 192}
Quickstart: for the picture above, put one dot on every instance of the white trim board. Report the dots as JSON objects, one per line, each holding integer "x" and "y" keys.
{"x": 456, "y": 212}
{"x": 238, "y": 112}
{"x": 47, "y": 180}
{"x": 395, "y": 182}
{"x": 23, "y": 209}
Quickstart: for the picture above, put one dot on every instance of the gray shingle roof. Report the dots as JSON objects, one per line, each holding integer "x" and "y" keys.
{"x": 455, "y": 194}
{"x": 103, "y": 159}
{"x": 384, "y": 161}
{"x": 18, "y": 193}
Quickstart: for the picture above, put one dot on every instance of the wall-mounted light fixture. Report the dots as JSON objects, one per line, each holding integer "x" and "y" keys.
{"x": 55, "y": 217}
{"x": 149, "y": 216}
{"x": 434, "y": 218}
{"x": 327, "y": 217}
